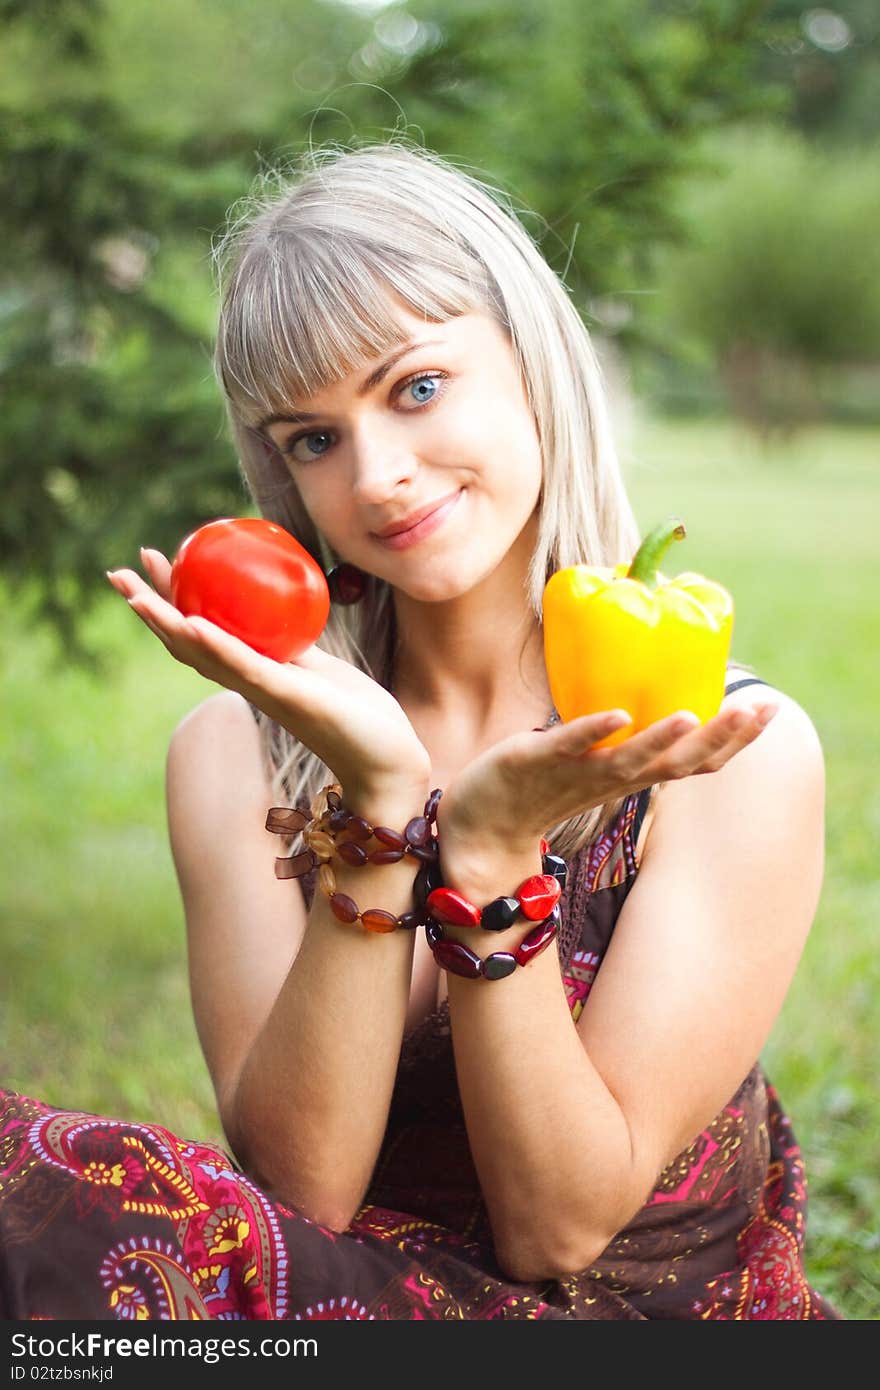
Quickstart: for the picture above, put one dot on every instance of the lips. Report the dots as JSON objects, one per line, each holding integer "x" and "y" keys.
{"x": 396, "y": 528}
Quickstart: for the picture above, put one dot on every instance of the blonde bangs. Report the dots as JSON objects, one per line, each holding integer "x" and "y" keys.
{"x": 306, "y": 309}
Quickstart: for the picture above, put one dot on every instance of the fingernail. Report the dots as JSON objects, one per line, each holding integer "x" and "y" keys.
{"x": 766, "y": 714}
{"x": 683, "y": 721}
{"x": 618, "y": 717}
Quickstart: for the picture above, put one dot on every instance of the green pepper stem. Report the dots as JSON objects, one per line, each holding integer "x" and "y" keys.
{"x": 652, "y": 549}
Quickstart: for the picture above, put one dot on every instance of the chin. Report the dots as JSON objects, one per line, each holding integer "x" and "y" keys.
{"x": 437, "y": 590}
{"x": 445, "y": 580}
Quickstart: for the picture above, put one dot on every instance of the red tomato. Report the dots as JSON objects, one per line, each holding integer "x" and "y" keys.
{"x": 252, "y": 578}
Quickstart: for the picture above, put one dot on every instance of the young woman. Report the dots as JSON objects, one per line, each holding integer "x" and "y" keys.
{"x": 415, "y": 398}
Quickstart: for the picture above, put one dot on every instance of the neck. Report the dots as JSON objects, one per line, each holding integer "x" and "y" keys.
{"x": 476, "y": 660}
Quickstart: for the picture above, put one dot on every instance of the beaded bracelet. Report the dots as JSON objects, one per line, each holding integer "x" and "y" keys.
{"x": 457, "y": 958}
{"x": 330, "y": 820}
{"x": 373, "y": 919}
{"x": 536, "y": 899}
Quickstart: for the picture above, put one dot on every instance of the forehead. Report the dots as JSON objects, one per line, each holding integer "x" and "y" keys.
{"x": 473, "y": 338}
{"x": 463, "y": 332}
{"x": 289, "y": 332}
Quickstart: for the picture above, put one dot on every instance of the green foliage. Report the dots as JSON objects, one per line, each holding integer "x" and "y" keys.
{"x": 128, "y": 130}
{"x": 69, "y": 22}
{"x": 782, "y": 275}
{"x": 108, "y": 407}
{"x": 829, "y": 61}
{"x": 588, "y": 113}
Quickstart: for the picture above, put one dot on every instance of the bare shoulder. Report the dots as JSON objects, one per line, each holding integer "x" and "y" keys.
{"x": 223, "y": 724}
{"x": 244, "y": 926}
{"x": 793, "y": 727}
{"x": 215, "y": 775}
{"x": 777, "y": 781}
{"x": 787, "y": 751}
{"x": 786, "y": 757}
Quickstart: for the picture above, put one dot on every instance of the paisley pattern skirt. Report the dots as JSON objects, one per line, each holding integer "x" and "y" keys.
{"x": 106, "y": 1219}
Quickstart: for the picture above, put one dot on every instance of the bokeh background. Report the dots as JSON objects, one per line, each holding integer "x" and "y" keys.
{"x": 705, "y": 176}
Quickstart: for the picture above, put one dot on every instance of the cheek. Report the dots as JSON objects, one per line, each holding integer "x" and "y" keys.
{"x": 329, "y": 509}
{"x": 496, "y": 429}
{"x": 515, "y": 453}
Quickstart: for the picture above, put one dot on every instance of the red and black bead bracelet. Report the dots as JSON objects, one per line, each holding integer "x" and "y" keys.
{"x": 536, "y": 899}
{"x": 460, "y": 960}
{"x": 332, "y": 829}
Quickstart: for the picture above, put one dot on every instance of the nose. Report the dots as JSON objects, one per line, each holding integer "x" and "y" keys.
{"x": 381, "y": 463}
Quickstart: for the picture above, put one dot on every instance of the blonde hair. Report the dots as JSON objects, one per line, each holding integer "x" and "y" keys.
{"x": 310, "y": 267}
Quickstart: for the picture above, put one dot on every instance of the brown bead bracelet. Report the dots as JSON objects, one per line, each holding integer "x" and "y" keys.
{"x": 330, "y": 820}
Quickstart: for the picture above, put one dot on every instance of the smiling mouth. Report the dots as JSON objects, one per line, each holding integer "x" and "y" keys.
{"x": 419, "y": 530}
{"x": 418, "y": 518}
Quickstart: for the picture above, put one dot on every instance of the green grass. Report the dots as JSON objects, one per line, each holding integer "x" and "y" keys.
{"x": 792, "y": 530}
{"x": 95, "y": 1008}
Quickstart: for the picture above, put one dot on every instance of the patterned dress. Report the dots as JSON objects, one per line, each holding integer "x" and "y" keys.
{"x": 102, "y": 1218}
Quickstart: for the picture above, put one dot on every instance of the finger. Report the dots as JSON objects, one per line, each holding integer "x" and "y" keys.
{"x": 158, "y": 623}
{"x": 764, "y": 713}
{"x": 158, "y": 567}
{"x": 709, "y": 746}
{"x": 195, "y": 636}
{"x": 192, "y": 642}
{"x": 113, "y": 578}
{"x": 577, "y": 736}
{"x": 637, "y": 756}
{"x": 136, "y": 607}
{"x": 315, "y": 659}
{"x": 743, "y": 727}
{"x": 127, "y": 582}
{"x": 260, "y": 676}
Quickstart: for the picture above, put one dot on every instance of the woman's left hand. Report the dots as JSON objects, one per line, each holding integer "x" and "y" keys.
{"x": 519, "y": 789}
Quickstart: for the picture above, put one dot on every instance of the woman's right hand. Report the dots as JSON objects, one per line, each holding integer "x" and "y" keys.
{"x": 353, "y": 724}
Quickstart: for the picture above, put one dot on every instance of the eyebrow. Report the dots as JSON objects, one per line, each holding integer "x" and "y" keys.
{"x": 301, "y": 417}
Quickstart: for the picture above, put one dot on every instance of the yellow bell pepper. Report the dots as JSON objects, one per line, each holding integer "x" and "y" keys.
{"x": 627, "y": 638}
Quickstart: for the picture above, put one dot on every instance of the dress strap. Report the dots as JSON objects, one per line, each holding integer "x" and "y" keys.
{"x": 642, "y": 801}
{"x": 738, "y": 685}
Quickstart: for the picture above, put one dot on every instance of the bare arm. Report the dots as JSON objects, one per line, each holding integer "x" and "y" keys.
{"x": 300, "y": 1017}
{"x": 570, "y": 1125}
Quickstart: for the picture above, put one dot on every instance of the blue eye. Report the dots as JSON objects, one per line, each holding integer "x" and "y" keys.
{"x": 307, "y": 440}
{"x": 423, "y": 388}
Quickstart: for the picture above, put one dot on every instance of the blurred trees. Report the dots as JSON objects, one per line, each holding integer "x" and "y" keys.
{"x": 771, "y": 306}
{"x": 127, "y": 130}
{"x": 828, "y": 59}
{"x": 110, "y": 423}
{"x": 778, "y": 288}
{"x": 588, "y": 113}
